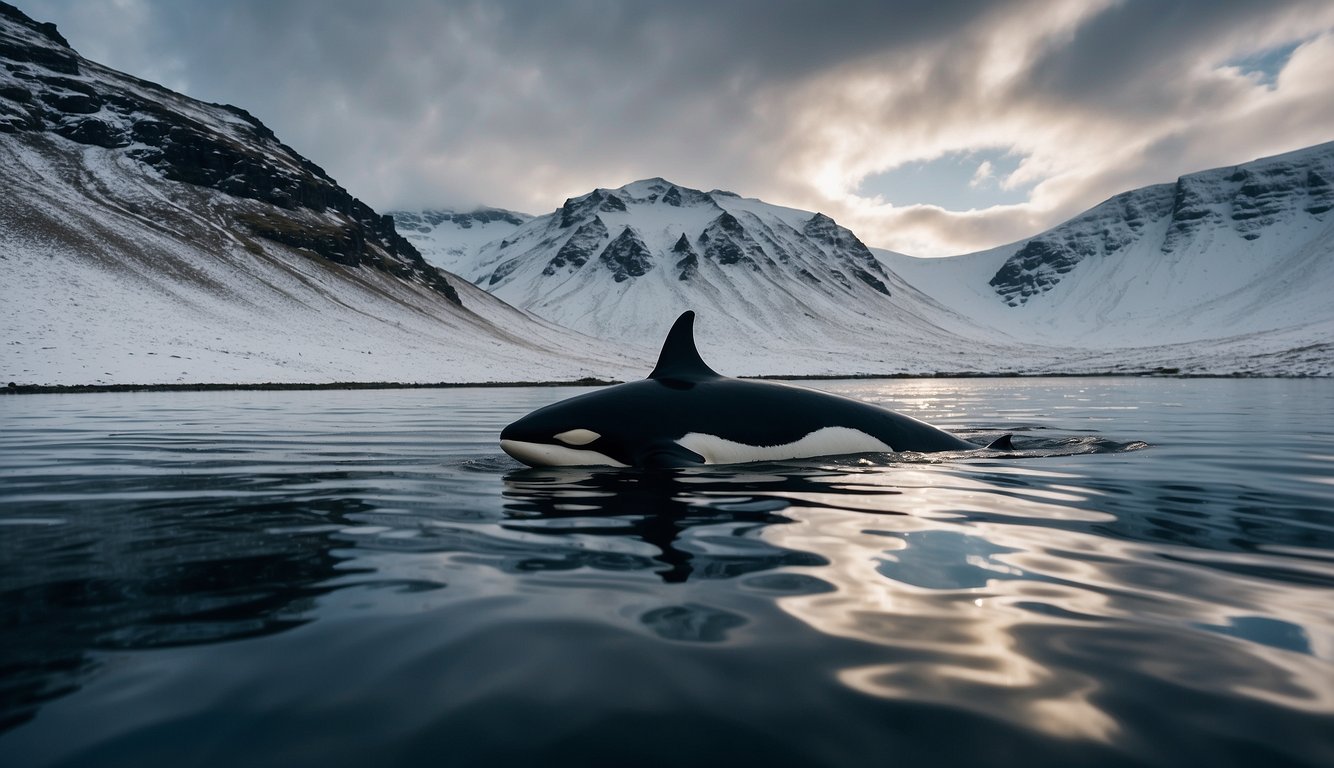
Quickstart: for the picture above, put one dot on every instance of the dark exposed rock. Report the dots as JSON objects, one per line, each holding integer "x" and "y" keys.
{"x": 54, "y": 54}
{"x": 16, "y": 115}
{"x": 627, "y": 256}
{"x": 47, "y": 29}
{"x": 93, "y": 131}
{"x": 68, "y": 84}
{"x": 672, "y": 197}
{"x": 1034, "y": 269}
{"x": 1248, "y": 199}
{"x": 569, "y": 214}
{"x": 504, "y": 270}
{"x": 1264, "y": 197}
{"x": 581, "y": 246}
{"x": 1042, "y": 262}
{"x": 73, "y": 103}
{"x": 16, "y": 93}
{"x": 234, "y": 154}
{"x": 576, "y": 210}
{"x": 866, "y": 277}
{"x": 688, "y": 261}
{"x": 719, "y": 240}
{"x": 867, "y": 267}
{"x": 1192, "y": 210}
{"x": 1320, "y": 191}
{"x": 726, "y": 242}
{"x": 729, "y": 225}
{"x": 425, "y": 221}
{"x": 824, "y": 229}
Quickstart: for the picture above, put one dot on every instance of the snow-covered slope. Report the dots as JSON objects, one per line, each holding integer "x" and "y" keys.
{"x": 1237, "y": 261}
{"x": 448, "y": 238}
{"x": 781, "y": 290}
{"x": 146, "y": 237}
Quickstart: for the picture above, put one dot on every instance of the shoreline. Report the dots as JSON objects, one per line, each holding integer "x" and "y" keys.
{"x": 47, "y": 389}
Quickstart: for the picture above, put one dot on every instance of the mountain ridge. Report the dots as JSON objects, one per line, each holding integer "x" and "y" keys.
{"x": 1221, "y": 271}
{"x": 229, "y": 150}
{"x": 612, "y": 262}
{"x": 147, "y": 237}
{"x": 1243, "y": 252}
{"x": 1248, "y": 198}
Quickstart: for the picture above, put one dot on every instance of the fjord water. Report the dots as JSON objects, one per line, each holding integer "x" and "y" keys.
{"x": 362, "y": 577}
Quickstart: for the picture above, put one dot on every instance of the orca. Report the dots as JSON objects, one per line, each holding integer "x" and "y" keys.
{"x": 686, "y": 414}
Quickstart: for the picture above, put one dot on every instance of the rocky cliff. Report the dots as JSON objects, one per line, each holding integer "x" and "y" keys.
{"x": 48, "y": 90}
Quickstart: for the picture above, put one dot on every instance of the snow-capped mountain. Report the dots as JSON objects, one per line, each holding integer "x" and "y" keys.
{"x": 781, "y": 290}
{"x": 1225, "y": 271}
{"x": 1237, "y": 260}
{"x": 148, "y": 237}
{"x": 447, "y": 238}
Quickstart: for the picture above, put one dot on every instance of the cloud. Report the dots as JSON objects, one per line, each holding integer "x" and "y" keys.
{"x": 984, "y": 173}
{"x": 521, "y": 104}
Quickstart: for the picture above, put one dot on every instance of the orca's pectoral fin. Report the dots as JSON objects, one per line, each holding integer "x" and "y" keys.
{"x": 1002, "y": 443}
{"x": 668, "y": 454}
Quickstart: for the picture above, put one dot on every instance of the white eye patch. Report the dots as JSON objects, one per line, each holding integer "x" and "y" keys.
{"x": 578, "y": 437}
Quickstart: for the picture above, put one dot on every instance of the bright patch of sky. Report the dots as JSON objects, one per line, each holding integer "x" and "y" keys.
{"x": 958, "y": 181}
{"x": 1265, "y": 65}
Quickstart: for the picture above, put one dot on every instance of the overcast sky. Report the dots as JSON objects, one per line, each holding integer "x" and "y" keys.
{"x": 932, "y": 127}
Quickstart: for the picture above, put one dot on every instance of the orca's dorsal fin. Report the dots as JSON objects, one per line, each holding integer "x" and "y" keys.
{"x": 679, "y": 360}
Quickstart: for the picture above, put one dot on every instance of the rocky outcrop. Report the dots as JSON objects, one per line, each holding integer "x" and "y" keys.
{"x": 726, "y": 242}
{"x": 425, "y": 221}
{"x": 581, "y": 247}
{"x": 627, "y": 256}
{"x": 687, "y": 263}
{"x": 862, "y": 263}
{"x": 708, "y": 240}
{"x": 1042, "y": 262}
{"x": 1243, "y": 202}
{"x": 46, "y": 88}
{"x": 577, "y": 209}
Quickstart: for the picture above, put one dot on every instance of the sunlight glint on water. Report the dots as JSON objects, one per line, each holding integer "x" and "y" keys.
{"x": 1147, "y": 580}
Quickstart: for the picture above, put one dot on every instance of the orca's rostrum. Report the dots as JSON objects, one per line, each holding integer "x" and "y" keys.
{"x": 686, "y": 414}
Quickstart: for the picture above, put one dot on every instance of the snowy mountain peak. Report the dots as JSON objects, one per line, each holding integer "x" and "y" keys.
{"x": 149, "y": 237}
{"x": 1219, "y": 209}
{"x": 630, "y": 229}
{"x": 615, "y": 262}
{"x": 1233, "y": 266}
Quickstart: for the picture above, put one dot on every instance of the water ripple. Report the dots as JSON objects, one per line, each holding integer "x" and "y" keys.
{"x": 1131, "y": 585}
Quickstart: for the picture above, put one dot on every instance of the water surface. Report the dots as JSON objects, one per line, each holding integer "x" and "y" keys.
{"x": 270, "y": 578}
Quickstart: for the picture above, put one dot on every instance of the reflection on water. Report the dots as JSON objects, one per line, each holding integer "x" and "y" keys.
{"x": 695, "y": 524}
{"x": 1126, "y": 587}
{"x": 150, "y": 575}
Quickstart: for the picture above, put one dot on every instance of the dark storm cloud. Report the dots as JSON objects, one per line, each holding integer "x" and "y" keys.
{"x": 519, "y": 104}
{"x": 1111, "y": 57}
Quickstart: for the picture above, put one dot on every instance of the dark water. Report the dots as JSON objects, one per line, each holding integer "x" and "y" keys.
{"x": 356, "y": 578}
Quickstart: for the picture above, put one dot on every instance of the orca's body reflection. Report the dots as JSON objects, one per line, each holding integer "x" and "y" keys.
{"x": 702, "y": 522}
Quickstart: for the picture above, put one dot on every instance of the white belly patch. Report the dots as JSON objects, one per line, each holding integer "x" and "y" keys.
{"x": 544, "y": 455}
{"x": 827, "y": 441}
